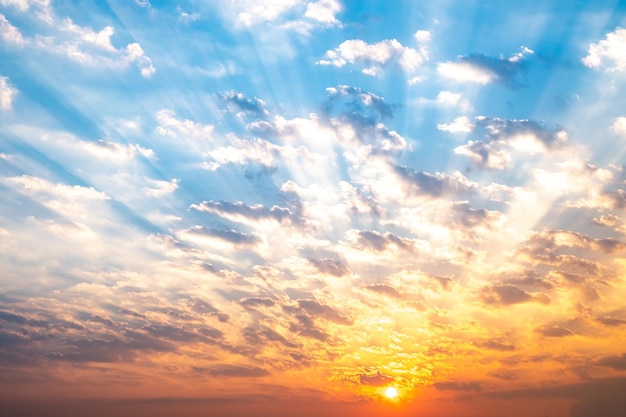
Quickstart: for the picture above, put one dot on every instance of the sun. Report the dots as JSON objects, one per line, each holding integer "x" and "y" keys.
{"x": 391, "y": 393}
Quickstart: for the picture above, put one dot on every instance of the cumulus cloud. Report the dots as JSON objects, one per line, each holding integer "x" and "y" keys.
{"x": 508, "y": 294}
{"x": 620, "y": 126}
{"x": 9, "y": 33}
{"x": 461, "y": 124}
{"x": 378, "y": 379}
{"x": 458, "y": 386}
{"x": 434, "y": 185}
{"x": 79, "y": 43}
{"x": 609, "y": 53}
{"x": 7, "y": 93}
{"x": 482, "y": 69}
{"x": 506, "y": 136}
{"x": 373, "y": 58}
{"x": 324, "y": 11}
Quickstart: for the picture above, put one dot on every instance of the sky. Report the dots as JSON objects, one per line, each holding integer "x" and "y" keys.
{"x": 281, "y": 207}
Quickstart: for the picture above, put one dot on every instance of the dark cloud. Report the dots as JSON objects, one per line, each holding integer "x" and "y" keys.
{"x": 617, "y": 362}
{"x": 434, "y": 185}
{"x": 233, "y": 371}
{"x": 18, "y": 319}
{"x": 379, "y": 242}
{"x": 318, "y": 310}
{"x": 255, "y": 212}
{"x": 458, "y": 386}
{"x": 239, "y": 102}
{"x": 526, "y": 278}
{"x": 306, "y": 327}
{"x": 202, "y": 307}
{"x": 231, "y": 236}
{"x": 359, "y": 106}
{"x": 503, "y": 374}
{"x": 253, "y": 302}
{"x": 506, "y": 71}
{"x": 505, "y": 130}
{"x": 384, "y": 289}
{"x": 496, "y": 344}
{"x": 259, "y": 336}
{"x": 593, "y": 398}
{"x": 611, "y": 321}
{"x": 507, "y": 294}
{"x": 554, "y": 331}
{"x": 330, "y": 266}
{"x": 376, "y": 380}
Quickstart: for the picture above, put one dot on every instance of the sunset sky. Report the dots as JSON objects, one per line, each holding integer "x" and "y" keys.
{"x": 287, "y": 207}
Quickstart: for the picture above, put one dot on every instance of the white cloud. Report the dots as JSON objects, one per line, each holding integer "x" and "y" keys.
{"x": 251, "y": 12}
{"x": 482, "y": 69}
{"x": 464, "y": 71}
{"x": 324, "y": 11}
{"x": 24, "y": 5}
{"x": 423, "y": 36}
{"x": 7, "y": 93}
{"x": 81, "y": 44}
{"x": 373, "y": 57}
{"x": 10, "y": 33}
{"x": 176, "y": 128}
{"x": 609, "y": 53}
{"x": 620, "y": 126}
{"x": 461, "y": 124}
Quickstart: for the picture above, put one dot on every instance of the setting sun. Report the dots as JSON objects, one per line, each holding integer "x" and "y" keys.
{"x": 391, "y": 393}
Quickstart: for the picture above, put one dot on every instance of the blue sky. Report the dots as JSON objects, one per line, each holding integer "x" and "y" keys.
{"x": 318, "y": 199}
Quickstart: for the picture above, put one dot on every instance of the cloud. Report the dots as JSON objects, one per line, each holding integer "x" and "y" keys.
{"x": 231, "y": 236}
{"x": 611, "y": 321}
{"x": 608, "y": 54}
{"x": 324, "y": 11}
{"x": 617, "y": 362}
{"x": 250, "y": 106}
{"x": 233, "y": 371}
{"x": 554, "y": 331}
{"x": 316, "y": 309}
{"x": 253, "y": 302}
{"x": 508, "y": 294}
{"x": 482, "y": 69}
{"x": 384, "y": 289}
{"x": 461, "y": 124}
{"x": 506, "y": 136}
{"x": 376, "y": 380}
{"x": 7, "y": 94}
{"x": 81, "y": 44}
{"x": 373, "y": 58}
{"x": 458, "y": 386}
{"x": 434, "y": 185}
{"x": 240, "y": 212}
{"x": 171, "y": 126}
{"x": 619, "y": 126}
{"x": 330, "y": 266}
{"x": 10, "y": 33}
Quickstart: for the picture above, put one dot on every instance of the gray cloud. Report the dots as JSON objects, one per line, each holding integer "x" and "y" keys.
{"x": 377, "y": 380}
{"x": 617, "y": 362}
{"x": 255, "y": 212}
{"x": 253, "y": 302}
{"x": 234, "y": 371}
{"x": 231, "y": 236}
{"x": 237, "y": 101}
{"x": 554, "y": 331}
{"x": 507, "y": 294}
{"x": 434, "y": 185}
{"x": 458, "y": 386}
{"x": 384, "y": 289}
{"x": 330, "y": 266}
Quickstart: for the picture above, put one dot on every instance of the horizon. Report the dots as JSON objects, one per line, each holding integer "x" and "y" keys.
{"x": 321, "y": 207}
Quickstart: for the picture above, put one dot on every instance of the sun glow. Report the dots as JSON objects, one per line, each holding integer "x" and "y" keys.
{"x": 391, "y": 393}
